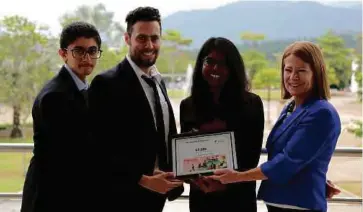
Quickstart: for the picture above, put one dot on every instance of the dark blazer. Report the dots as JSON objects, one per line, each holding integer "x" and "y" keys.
{"x": 126, "y": 139}
{"x": 57, "y": 172}
{"x": 248, "y": 124}
{"x": 299, "y": 152}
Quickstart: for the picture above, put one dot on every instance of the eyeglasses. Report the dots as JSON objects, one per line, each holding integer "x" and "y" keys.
{"x": 80, "y": 53}
{"x": 212, "y": 62}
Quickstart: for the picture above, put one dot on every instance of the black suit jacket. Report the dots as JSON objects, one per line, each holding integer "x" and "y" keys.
{"x": 125, "y": 135}
{"x": 58, "y": 169}
{"x": 248, "y": 124}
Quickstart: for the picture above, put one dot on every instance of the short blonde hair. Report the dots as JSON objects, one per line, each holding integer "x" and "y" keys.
{"x": 310, "y": 53}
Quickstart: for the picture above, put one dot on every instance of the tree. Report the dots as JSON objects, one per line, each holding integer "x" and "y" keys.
{"x": 267, "y": 78}
{"x": 25, "y": 63}
{"x": 172, "y": 53}
{"x": 254, "y": 62}
{"x": 332, "y": 76}
{"x": 337, "y": 57}
{"x": 358, "y": 78}
{"x": 356, "y": 128}
{"x": 254, "y": 59}
{"x": 109, "y": 58}
{"x": 111, "y": 32}
{"x": 358, "y": 72}
{"x": 252, "y": 39}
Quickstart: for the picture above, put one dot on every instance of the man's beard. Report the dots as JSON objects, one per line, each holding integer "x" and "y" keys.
{"x": 143, "y": 63}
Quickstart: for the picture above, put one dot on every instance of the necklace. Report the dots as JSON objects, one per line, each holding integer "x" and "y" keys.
{"x": 290, "y": 108}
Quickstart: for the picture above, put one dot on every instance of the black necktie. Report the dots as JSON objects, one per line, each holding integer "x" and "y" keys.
{"x": 85, "y": 95}
{"x": 159, "y": 120}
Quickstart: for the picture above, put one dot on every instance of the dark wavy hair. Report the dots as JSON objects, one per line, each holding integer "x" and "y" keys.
{"x": 237, "y": 84}
{"x": 78, "y": 29}
{"x": 142, "y": 14}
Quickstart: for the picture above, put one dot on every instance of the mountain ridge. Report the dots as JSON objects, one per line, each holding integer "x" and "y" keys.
{"x": 278, "y": 20}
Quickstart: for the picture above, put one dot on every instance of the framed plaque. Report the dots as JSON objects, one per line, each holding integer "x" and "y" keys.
{"x": 195, "y": 154}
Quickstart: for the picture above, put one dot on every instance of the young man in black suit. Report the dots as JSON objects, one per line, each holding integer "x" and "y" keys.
{"x": 133, "y": 121}
{"x": 58, "y": 171}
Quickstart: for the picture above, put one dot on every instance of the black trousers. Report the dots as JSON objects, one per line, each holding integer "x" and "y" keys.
{"x": 276, "y": 209}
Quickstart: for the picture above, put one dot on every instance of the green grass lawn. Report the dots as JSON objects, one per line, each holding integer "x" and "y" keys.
{"x": 176, "y": 94}
{"x": 353, "y": 187}
{"x": 12, "y": 166}
{"x": 275, "y": 94}
{"x": 17, "y": 140}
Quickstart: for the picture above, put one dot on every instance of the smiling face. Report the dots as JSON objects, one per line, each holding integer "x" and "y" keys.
{"x": 215, "y": 70}
{"x": 298, "y": 77}
{"x": 144, "y": 43}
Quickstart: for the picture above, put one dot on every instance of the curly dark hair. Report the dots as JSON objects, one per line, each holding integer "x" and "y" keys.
{"x": 78, "y": 29}
{"x": 142, "y": 14}
{"x": 236, "y": 86}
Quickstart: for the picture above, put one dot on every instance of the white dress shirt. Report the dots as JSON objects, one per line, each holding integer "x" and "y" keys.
{"x": 149, "y": 92}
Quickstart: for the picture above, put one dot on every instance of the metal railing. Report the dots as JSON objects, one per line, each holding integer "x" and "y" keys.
{"x": 339, "y": 152}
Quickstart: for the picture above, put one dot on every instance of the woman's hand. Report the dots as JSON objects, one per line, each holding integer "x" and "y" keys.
{"x": 230, "y": 176}
{"x": 226, "y": 176}
{"x": 331, "y": 189}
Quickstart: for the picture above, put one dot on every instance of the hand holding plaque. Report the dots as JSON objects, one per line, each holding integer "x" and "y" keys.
{"x": 160, "y": 182}
{"x": 208, "y": 185}
{"x": 197, "y": 154}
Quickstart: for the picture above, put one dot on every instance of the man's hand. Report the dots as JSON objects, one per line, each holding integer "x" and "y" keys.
{"x": 157, "y": 171}
{"x": 208, "y": 185}
{"x": 160, "y": 183}
{"x": 171, "y": 179}
{"x": 331, "y": 190}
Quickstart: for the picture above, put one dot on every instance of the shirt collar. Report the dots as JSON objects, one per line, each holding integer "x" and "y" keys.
{"x": 153, "y": 71}
{"x": 80, "y": 84}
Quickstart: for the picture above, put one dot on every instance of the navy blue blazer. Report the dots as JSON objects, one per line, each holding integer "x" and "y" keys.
{"x": 299, "y": 152}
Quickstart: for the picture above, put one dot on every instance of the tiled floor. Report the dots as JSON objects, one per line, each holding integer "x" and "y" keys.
{"x": 182, "y": 206}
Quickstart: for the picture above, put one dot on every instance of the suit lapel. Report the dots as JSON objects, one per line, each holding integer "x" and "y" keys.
{"x": 67, "y": 79}
{"x": 287, "y": 123}
{"x": 172, "y": 125}
{"x": 282, "y": 115}
{"x": 276, "y": 125}
{"x": 71, "y": 86}
{"x": 281, "y": 128}
{"x": 138, "y": 93}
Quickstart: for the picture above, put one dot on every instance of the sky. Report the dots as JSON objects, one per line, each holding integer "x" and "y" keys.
{"x": 48, "y": 11}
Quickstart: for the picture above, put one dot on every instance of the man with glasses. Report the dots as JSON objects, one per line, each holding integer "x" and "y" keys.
{"x": 59, "y": 169}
